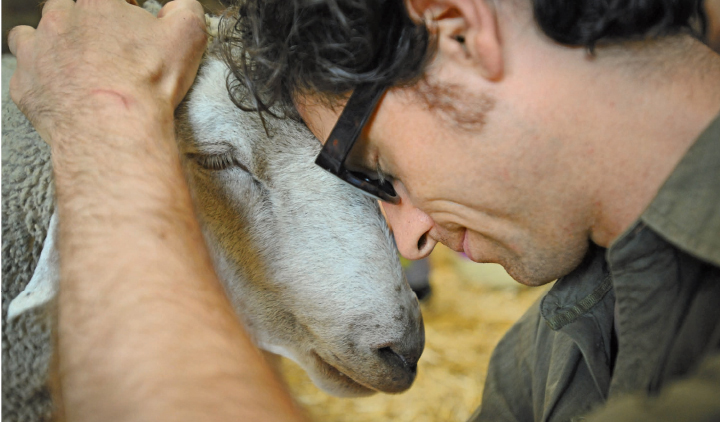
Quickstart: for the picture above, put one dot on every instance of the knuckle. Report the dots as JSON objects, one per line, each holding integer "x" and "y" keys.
{"x": 12, "y": 39}
{"x": 54, "y": 21}
{"x": 18, "y": 43}
{"x": 13, "y": 35}
{"x": 197, "y": 7}
{"x": 190, "y": 22}
{"x": 188, "y": 13}
{"x": 48, "y": 5}
{"x": 167, "y": 8}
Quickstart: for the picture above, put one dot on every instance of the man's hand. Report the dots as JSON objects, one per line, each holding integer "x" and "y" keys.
{"x": 95, "y": 53}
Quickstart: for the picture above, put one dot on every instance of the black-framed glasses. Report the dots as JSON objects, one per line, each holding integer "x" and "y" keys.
{"x": 353, "y": 118}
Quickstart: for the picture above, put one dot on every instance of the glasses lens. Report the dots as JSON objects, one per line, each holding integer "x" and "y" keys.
{"x": 378, "y": 189}
{"x": 332, "y": 157}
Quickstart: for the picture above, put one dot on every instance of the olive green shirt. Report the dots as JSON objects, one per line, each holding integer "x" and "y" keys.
{"x": 633, "y": 333}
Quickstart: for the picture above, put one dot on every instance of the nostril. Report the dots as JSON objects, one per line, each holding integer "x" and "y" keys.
{"x": 422, "y": 242}
{"x": 389, "y": 356}
{"x": 398, "y": 360}
{"x": 387, "y": 353}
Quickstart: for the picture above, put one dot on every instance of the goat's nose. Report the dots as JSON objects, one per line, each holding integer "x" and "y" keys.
{"x": 410, "y": 226}
{"x": 407, "y": 363}
{"x": 400, "y": 361}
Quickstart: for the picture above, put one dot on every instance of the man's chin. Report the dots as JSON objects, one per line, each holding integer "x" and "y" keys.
{"x": 529, "y": 278}
{"x": 541, "y": 271}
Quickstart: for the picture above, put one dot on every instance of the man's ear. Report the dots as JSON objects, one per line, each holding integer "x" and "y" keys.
{"x": 466, "y": 30}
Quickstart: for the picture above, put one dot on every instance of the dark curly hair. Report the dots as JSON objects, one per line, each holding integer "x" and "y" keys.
{"x": 279, "y": 48}
{"x": 591, "y": 22}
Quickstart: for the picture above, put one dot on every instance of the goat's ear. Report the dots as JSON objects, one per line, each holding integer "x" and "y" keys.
{"x": 44, "y": 284}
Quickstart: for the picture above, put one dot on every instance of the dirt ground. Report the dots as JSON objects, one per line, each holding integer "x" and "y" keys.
{"x": 471, "y": 307}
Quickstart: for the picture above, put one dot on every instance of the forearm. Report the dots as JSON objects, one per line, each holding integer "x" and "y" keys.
{"x": 145, "y": 331}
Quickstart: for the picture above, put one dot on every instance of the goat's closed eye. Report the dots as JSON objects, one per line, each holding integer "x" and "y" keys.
{"x": 217, "y": 161}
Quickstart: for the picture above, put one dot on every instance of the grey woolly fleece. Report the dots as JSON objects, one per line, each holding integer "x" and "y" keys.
{"x": 27, "y": 205}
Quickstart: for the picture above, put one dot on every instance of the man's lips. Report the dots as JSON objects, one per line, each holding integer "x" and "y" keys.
{"x": 461, "y": 246}
{"x": 465, "y": 245}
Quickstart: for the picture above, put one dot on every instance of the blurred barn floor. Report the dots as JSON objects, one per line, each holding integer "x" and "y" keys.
{"x": 471, "y": 307}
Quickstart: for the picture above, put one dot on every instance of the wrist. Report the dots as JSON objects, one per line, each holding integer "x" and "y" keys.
{"x": 121, "y": 151}
{"x": 110, "y": 125}
{"x": 109, "y": 110}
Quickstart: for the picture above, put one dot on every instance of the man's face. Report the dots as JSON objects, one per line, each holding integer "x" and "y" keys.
{"x": 475, "y": 162}
{"x": 486, "y": 188}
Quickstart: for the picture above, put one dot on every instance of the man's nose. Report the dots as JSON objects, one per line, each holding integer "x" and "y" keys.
{"x": 410, "y": 226}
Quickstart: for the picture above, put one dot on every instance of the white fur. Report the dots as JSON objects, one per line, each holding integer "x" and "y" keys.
{"x": 307, "y": 261}
{"x": 45, "y": 281}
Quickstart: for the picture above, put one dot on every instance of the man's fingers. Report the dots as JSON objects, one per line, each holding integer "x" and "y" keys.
{"x": 51, "y": 5}
{"x": 19, "y": 35}
{"x": 175, "y": 5}
{"x": 103, "y": 2}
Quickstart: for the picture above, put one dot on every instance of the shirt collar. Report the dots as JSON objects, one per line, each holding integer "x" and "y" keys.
{"x": 686, "y": 210}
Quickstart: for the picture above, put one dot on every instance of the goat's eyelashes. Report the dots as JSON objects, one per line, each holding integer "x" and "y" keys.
{"x": 217, "y": 161}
